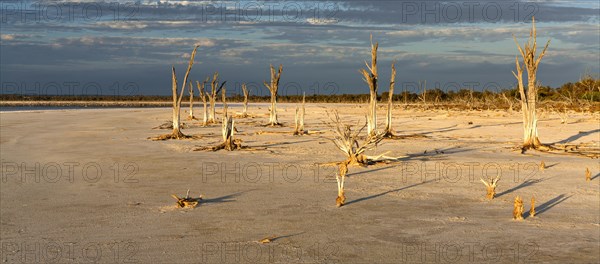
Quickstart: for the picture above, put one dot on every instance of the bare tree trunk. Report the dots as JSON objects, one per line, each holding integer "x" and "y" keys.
{"x": 177, "y": 134}
{"x": 347, "y": 141}
{"x": 224, "y": 101}
{"x": 370, "y": 77}
{"x": 388, "y": 125}
{"x": 245, "y": 90}
{"x": 423, "y": 95}
{"x": 176, "y": 107}
{"x": 191, "y": 117}
{"x": 341, "y": 178}
{"x": 273, "y": 87}
{"x": 299, "y": 120}
{"x": 203, "y": 96}
{"x": 529, "y": 93}
{"x": 227, "y": 130}
{"x": 509, "y": 101}
{"x": 213, "y": 98}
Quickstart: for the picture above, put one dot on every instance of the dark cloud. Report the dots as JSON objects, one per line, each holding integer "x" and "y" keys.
{"x": 322, "y": 44}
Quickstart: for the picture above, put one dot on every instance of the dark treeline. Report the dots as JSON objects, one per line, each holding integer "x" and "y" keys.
{"x": 584, "y": 93}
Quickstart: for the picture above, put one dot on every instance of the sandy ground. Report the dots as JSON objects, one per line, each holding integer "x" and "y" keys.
{"x": 87, "y": 185}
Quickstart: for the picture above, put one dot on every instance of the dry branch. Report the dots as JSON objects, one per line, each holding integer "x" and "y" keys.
{"x": 187, "y": 201}
{"x": 347, "y": 141}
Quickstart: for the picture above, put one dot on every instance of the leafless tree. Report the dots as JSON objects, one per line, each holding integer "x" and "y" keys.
{"x": 370, "y": 77}
{"x": 273, "y": 86}
{"x": 389, "y": 132}
{"x": 529, "y": 93}
{"x": 299, "y": 120}
{"x": 246, "y": 93}
{"x": 203, "y": 97}
{"x": 191, "y": 90}
{"x": 177, "y": 134}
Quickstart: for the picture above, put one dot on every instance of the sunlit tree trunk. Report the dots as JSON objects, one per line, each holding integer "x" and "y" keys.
{"x": 273, "y": 87}
{"x": 245, "y": 91}
{"x": 529, "y": 93}
{"x": 370, "y": 77}
{"x": 388, "y": 124}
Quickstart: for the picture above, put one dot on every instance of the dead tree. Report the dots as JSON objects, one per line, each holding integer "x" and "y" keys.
{"x": 191, "y": 88}
{"x": 177, "y": 134}
{"x": 529, "y": 93}
{"x": 246, "y": 93}
{"x": 423, "y": 95}
{"x": 370, "y": 77}
{"x": 212, "y": 97}
{"x": 224, "y": 101}
{"x": 509, "y": 101}
{"x": 227, "y": 130}
{"x": 273, "y": 87}
{"x": 347, "y": 141}
{"x": 388, "y": 124}
{"x": 299, "y": 120}
{"x": 203, "y": 96}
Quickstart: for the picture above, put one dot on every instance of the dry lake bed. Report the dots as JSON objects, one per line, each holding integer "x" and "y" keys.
{"x": 87, "y": 185}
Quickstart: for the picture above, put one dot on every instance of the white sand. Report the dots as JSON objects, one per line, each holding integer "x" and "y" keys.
{"x": 428, "y": 208}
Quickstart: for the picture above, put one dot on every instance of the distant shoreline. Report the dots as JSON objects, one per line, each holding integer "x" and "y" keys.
{"x": 85, "y": 104}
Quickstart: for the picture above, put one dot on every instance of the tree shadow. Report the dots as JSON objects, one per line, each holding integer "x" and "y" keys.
{"x": 282, "y": 143}
{"x": 286, "y": 236}
{"x": 369, "y": 171}
{"x": 434, "y": 153}
{"x": 223, "y": 199}
{"x": 597, "y": 175}
{"x": 524, "y": 184}
{"x": 552, "y": 165}
{"x": 386, "y": 192}
{"x": 549, "y": 204}
{"x": 577, "y": 136}
{"x": 456, "y": 128}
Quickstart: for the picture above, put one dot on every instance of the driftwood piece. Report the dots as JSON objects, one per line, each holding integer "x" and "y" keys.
{"x": 187, "y": 201}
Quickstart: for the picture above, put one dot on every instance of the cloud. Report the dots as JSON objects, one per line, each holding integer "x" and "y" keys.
{"x": 7, "y": 37}
{"x": 329, "y": 46}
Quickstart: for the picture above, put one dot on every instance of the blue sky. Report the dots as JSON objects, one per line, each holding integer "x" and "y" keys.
{"x": 126, "y": 47}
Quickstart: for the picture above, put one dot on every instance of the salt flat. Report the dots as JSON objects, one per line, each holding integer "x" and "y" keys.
{"x": 83, "y": 185}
